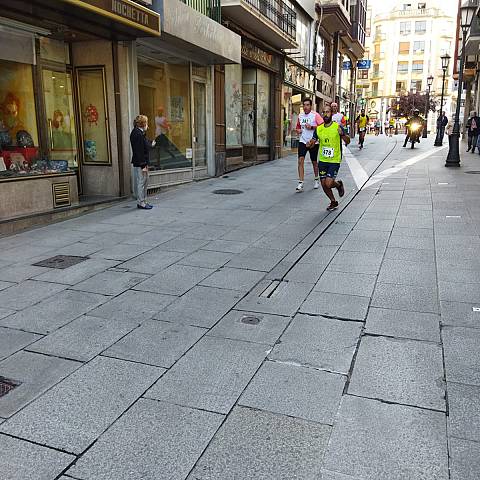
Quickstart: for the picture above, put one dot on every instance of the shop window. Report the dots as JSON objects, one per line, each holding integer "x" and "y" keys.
{"x": 233, "y": 104}
{"x": 94, "y": 115}
{"x": 263, "y": 108}
{"x": 248, "y": 106}
{"x": 164, "y": 93}
{"x": 57, "y": 88}
{"x": 18, "y": 121}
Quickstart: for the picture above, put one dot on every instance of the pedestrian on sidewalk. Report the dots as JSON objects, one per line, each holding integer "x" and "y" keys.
{"x": 140, "y": 159}
{"x": 329, "y": 136}
{"x": 307, "y": 122}
{"x": 473, "y": 129}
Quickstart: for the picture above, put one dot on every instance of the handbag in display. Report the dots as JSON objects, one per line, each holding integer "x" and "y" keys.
{"x": 24, "y": 139}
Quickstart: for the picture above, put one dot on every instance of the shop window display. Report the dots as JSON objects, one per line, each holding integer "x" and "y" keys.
{"x": 19, "y": 152}
{"x": 248, "y": 106}
{"x": 233, "y": 104}
{"x": 263, "y": 108}
{"x": 164, "y": 92}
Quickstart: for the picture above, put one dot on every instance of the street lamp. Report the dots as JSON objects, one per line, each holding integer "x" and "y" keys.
{"x": 440, "y": 129}
{"x": 467, "y": 11}
{"x": 427, "y": 104}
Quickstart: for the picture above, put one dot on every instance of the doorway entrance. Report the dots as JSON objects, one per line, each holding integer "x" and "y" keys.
{"x": 200, "y": 128}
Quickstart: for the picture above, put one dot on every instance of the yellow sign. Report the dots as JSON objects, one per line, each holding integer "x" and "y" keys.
{"x": 123, "y": 11}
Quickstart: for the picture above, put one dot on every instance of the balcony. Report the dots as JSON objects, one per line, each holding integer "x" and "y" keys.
{"x": 377, "y": 75}
{"x": 271, "y": 20}
{"x": 473, "y": 39}
{"x": 335, "y": 16}
{"x": 379, "y": 37}
{"x": 209, "y": 8}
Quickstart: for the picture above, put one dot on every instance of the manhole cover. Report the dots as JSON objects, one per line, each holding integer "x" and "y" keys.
{"x": 6, "y": 386}
{"x": 227, "y": 191}
{"x": 250, "y": 320}
{"x": 473, "y": 172}
{"x": 60, "y": 261}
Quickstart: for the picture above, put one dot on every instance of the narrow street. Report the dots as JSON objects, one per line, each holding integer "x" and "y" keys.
{"x": 252, "y": 336}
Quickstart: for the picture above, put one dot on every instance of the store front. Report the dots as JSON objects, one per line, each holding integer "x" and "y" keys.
{"x": 62, "y": 138}
{"x": 298, "y": 84}
{"x": 251, "y": 107}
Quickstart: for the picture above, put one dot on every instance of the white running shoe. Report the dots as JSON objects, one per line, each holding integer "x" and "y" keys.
{"x": 299, "y": 187}
{"x": 316, "y": 184}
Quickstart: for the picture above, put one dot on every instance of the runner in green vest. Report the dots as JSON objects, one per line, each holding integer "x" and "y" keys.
{"x": 329, "y": 136}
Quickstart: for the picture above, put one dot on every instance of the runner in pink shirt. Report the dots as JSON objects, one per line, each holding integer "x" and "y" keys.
{"x": 307, "y": 122}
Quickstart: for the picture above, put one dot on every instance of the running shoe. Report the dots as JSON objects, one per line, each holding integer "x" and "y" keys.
{"x": 316, "y": 184}
{"x": 332, "y": 206}
{"x": 299, "y": 187}
{"x": 340, "y": 188}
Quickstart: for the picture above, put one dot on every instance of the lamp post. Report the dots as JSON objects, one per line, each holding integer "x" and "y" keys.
{"x": 427, "y": 104}
{"x": 440, "y": 129}
{"x": 467, "y": 11}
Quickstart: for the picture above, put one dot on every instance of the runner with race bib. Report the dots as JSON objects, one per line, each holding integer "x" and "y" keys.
{"x": 362, "y": 122}
{"x": 329, "y": 137}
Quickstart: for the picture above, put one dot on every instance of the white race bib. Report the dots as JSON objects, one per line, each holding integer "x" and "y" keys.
{"x": 328, "y": 152}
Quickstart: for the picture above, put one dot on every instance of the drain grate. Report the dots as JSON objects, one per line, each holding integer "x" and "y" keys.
{"x": 227, "y": 191}
{"x": 61, "y": 261}
{"x": 473, "y": 172}
{"x": 6, "y": 386}
{"x": 250, "y": 320}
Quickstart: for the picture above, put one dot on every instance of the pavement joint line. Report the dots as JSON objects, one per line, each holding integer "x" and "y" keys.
{"x": 54, "y": 356}
{"x": 39, "y": 444}
{"x": 191, "y": 407}
{"x": 401, "y": 339}
{"x": 332, "y": 317}
{"x": 462, "y": 438}
{"x": 390, "y": 402}
{"x": 305, "y": 365}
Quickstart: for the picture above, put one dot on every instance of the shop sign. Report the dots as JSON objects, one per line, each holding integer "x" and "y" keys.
{"x": 257, "y": 55}
{"x": 364, "y": 64}
{"x": 298, "y": 76}
{"x": 347, "y": 65}
{"x": 123, "y": 11}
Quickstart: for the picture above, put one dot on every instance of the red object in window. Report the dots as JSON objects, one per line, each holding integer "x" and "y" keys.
{"x": 30, "y": 154}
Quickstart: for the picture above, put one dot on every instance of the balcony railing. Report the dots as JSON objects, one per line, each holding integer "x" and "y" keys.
{"x": 209, "y": 8}
{"x": 277, "y": 12}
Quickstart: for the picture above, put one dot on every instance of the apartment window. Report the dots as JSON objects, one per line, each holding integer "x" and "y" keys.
{"x": 405, "y": 28}
{"x": 363, "y": 74}
{"x": 416, "y": 85}
{"x": 422, "y": 6}
{"x": 420, "y": 27}
{"x": 402, "y": 67}
{"x": 418, "y": 46}
{"x": 378, "y": 30}
{"x": 375, "y": 89}
{"x": 407, "y": 6}
{"x": 400, "y": 87}
{"x": 376, "y": 51}
{"x": 404, "y": 48}
{"x": 376, "y": 68}
{"x": 417, "y": 66}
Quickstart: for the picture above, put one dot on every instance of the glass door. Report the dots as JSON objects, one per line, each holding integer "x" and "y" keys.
{"x": 200, "y": 125}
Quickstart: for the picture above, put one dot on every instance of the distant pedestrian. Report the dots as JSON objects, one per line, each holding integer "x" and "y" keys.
{"x": 442, "y": 122}
{"x": 362, "y": 122}
{"x": 473, "y": 129}
{"x": 378, "y": 127}
{"x": 140, "y": 159}
{"x": 391, "y": 126}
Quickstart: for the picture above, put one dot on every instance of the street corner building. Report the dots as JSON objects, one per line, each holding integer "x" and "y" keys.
{"x": 73, "y": 76}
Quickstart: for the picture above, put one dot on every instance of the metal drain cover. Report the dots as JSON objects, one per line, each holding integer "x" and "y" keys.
{"x": 473, "y": 172}
{"x": 6, "y": 386}
{"x": 227, "y": 191}
{"x": 61, "y": 261}
{"x": 250, "y": 320}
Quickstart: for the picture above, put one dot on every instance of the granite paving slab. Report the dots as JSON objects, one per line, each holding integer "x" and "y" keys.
{"x": 356, "y": 262}
{"x": 318, "y": 342}
{"x": 403, "y": 324}
{"x": 460, "y": 314}
{"x": 295, "y": 391}
{"x": 19, "y": 273}
{"x": 111, "y": 283}
{"x": 257, "y": 258}
{"x": 175, "y": 280}
{"x": 464, "y": 459}
{"x": 28, "y": 293}
{"x": 153, "y": 261}
{"x": 13, "y": 340}
{"x": 413, "y": 298}
{"x": 400, "y": 371}
{"x": 153, "y": 440}
{"x": 156, "y": 343}
{"x": 376, "y": 440}
{"x": 201, "y": 306}
{"x": 206, "y": 258}
{"x": 250, "y": 327}
{"x": 459, "y": 292}
{"x": 20, "y": 460}
{"x": 462, "y": 355}
{"x": 233, "y": 279}
{"x": 464, "y": 411}
{"x": 70, "y": 417}
{"x": 34, "y": 374}
{"x": 194, "y": 383}
{"x": 54, "y": 312}
{"x": 346, "y": 283}
{"x": 256, "y": 444}
{"x": 122, "y": 252}
{"x": 84, "y": 338}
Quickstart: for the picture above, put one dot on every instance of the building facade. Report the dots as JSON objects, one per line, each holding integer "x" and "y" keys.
{"x": 405, "y": 46}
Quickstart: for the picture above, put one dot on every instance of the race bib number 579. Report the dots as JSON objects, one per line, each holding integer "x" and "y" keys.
{"x": 328, "y": 152}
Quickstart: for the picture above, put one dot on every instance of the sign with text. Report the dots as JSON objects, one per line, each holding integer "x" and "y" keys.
{"x": 123, "y": 11}
{"x": 255, "y": 54}
{"x": 364, "y": 64}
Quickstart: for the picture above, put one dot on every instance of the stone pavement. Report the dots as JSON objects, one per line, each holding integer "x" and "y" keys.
{"x": 252, "y": 336}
